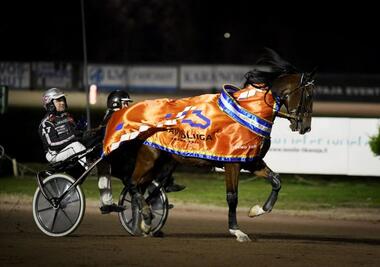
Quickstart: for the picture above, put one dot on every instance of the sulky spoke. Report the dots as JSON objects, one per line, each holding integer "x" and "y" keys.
{"x": 57, "y": 187}
{"x": 158, "y": 213}
{"x": 48, "y": 191}
{"x": 72, "y": 201}
{"x": 45, "y": 209}
{"x": 67, "y": 216}
{"x": 54, "y": 219}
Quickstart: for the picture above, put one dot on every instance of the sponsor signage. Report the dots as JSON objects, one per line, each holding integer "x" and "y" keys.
{"x": 49, "y": 74}
{"x": 207, "y": 77}
{"x": 334, "y": 146}
{"x": 15, "y": 75}
{"x": 152, "y": 78}
{"x": 344, "y": 87}
{"x": 108, "y": 77}
{"x": 196, "y": 77}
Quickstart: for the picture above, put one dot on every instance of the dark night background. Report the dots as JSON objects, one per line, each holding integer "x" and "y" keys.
{"x": 340, "y": 40}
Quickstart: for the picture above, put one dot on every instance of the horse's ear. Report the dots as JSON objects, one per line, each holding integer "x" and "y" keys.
{"x": 312, "y": 73}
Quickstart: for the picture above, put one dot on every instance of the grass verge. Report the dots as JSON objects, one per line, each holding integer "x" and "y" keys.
{"x": 297, "y": 193}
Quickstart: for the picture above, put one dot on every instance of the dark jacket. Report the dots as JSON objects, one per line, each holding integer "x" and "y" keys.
{"x": 57, "y": 131}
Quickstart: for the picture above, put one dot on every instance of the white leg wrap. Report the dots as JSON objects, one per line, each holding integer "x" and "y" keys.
{"x": 104, "y": 185}
{"x": 104, "y": 182}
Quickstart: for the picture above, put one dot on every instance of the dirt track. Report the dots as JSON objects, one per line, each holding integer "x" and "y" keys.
{"x": 193, "y": 237}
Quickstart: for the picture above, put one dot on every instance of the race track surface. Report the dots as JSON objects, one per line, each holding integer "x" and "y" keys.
{"x": 193, "y": 237}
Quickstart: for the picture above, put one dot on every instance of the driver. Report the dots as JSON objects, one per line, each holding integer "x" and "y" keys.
{"x": 58, "y": 130}
{"x": 116, "y": 100}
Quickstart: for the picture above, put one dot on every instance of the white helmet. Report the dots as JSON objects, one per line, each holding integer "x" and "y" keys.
{"x": 49, "y": 96}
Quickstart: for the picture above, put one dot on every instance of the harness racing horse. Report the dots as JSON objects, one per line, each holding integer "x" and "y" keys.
{"x": 230, "y": 130}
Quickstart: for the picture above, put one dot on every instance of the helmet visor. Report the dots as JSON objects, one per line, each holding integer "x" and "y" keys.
{"x": 126, "y": 99}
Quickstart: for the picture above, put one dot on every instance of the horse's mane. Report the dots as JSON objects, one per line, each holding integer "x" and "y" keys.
{"x": 278, "y": 65}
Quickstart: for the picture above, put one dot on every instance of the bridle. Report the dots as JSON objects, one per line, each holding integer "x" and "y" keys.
{"x": 302, "y": 109}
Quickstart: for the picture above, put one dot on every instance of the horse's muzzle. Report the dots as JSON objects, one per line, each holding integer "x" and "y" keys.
{"x": 305, "y": 130}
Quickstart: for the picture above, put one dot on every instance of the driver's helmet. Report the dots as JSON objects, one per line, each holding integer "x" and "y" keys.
{"x": 48, "y": 97}
{"x": 116, "y": 99}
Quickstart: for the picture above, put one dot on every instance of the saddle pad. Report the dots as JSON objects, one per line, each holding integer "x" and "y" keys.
{"x": 229, "y": 126}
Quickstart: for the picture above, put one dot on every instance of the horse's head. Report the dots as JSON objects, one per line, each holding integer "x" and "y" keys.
{"x": 293, "y": 88}
{"x": 296, "y": 92}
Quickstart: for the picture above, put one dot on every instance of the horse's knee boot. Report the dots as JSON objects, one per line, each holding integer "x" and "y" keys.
{"x": 232, "y": 200}
{"x": 275, "y": 181}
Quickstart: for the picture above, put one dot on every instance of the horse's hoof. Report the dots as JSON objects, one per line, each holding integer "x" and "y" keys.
{"x": 145, "y": 228}
{"x": 256, "y": 211}
{"x": 243, "y": 239}
{"x": 146, "y": 221}
{"x": 240, "y": 236}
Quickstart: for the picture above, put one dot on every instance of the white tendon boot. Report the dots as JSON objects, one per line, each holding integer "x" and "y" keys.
{"x": 104, "y": 185}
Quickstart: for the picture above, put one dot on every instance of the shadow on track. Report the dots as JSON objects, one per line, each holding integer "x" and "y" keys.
{"x": 280, "y": 237}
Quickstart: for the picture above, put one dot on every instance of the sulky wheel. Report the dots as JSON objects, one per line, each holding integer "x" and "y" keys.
{"x": 158, "y": 204}
{"x": 64, "y": 216}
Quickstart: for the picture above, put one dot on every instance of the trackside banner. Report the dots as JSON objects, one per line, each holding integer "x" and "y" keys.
{"x": 133, "y": 78}
{"x": 108, "y": 77}
{"x": 49, "y": 74}
{"x": 15, "y": 75}
{"x": 206, "y": 77}
{"x": 348, "y": 87}
{"x": 152, "y": 79}
{"x": 334, "y": 146}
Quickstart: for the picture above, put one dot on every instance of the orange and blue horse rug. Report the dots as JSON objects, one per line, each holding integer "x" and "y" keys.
{"x": 230, "y": 126}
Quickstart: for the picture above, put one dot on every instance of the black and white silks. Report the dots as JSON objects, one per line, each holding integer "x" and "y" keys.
{"x": 59, "y": 137}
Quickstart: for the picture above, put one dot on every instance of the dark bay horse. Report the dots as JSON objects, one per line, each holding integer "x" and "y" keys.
{"x": 292, "y": 89}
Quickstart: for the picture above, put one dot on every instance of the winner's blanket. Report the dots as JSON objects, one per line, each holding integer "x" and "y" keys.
{"x": 229, "y": 126}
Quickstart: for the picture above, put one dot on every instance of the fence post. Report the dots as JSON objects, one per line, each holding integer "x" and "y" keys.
{"x": 15, "y": 169}
{"x": 3, "y": 98}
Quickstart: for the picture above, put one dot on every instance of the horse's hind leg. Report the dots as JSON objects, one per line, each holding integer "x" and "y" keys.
{"x": 232, "y": 180}
{"x": 274, "y": 179}
{"x": 146, "y": 158}
{"x": 142, "y": 174}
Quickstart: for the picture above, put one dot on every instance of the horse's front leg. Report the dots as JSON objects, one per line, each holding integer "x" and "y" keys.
{"x": 232, "y": 180}
{"x": 274, "y": 179}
